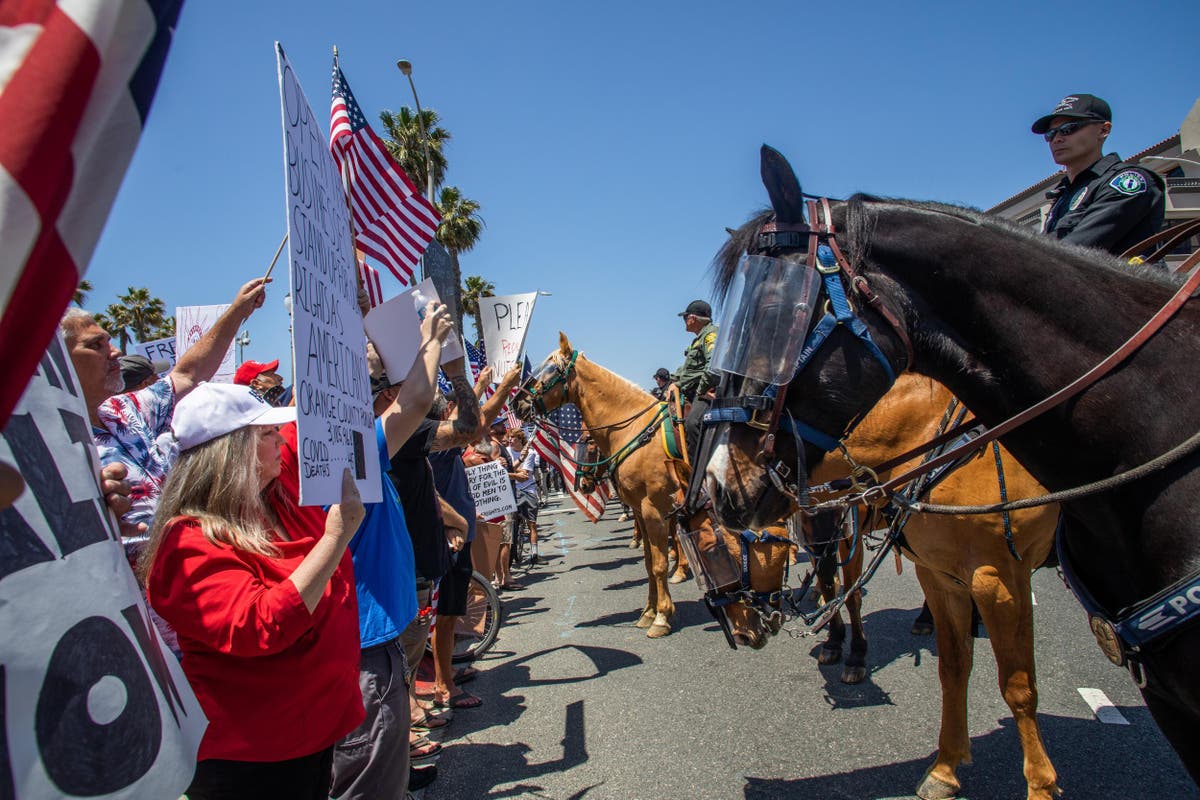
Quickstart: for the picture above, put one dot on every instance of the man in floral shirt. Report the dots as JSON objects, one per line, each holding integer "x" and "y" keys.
{"x": 127, "y": 427}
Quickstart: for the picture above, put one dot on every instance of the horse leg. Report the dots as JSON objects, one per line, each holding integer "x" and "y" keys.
{"x": 855, "y": 670}
{"x": 824, "y": 530}
{"x": 654, "y": 528}
{"x": 952, "y": 624}
{"x": 636, "y": 541}
{"x": 681, "y": 563}
{"x": 650, "y": 609}
{"x": 1006, "y": 605}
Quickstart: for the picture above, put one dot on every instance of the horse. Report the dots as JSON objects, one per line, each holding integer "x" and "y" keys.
{"x": 959, "y": 559}
{"x": 624, "y": 421}
{"x": 1004, "y": 318}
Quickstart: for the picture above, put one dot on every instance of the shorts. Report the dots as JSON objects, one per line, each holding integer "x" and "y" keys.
{"x": 412, "y": 639}
{"x": 452, "y": 591}
{"x": 527, "y": 506}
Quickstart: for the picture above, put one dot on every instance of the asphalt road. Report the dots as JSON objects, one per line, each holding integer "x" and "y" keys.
{"x": 578, "y": 703}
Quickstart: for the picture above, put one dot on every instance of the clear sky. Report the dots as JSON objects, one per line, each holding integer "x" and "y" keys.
{"x": 610, "y": 144}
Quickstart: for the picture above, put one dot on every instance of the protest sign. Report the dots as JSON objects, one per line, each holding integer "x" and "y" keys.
{"x": 158, "y": 350}
{"x": 395, "y": 328}
{"x": 422, "y": 295}
{"x": 192, "y": 322}
{"x": 491, "y": 489}
{"x": 505, "y": 322}
{"x": 334, "y": 417}
{"x": 94, "y": 705}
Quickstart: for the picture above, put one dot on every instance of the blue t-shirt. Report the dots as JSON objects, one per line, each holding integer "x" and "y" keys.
{"x": 384, "y": 574}
{"x": 450, "y": 477}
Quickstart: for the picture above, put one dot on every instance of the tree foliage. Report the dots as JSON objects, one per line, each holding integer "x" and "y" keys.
{"x": 404, "y": 141}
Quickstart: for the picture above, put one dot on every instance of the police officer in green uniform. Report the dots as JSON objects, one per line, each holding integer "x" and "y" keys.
{"x": 694, "y": 380}
{"x": 1101, "y": 201}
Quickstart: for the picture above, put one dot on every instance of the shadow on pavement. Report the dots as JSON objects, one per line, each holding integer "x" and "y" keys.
{"x": 996, "y": 771}
{"x": 605, "y": 566}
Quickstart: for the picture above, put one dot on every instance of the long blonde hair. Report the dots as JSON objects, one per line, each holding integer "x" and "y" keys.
{"x": 216, "y": 484}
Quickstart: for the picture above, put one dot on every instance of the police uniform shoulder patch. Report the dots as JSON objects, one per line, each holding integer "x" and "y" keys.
{"x": 1129, "y": 182}
{"x": 710, "y": 339}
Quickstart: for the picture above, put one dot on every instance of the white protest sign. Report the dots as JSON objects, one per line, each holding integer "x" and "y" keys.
{"x": 334, "y": 418}
{"x": 491, "y": 489}
{"x": 395, "y": 328}
{"x": 158, "y": 350}
{"x": 505, "y": 322}
{"x": 192, "y": 322}
{"x": 94, "y": 705}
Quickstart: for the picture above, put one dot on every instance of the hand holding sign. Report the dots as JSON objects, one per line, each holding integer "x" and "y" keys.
{"x": 349, "y": 513}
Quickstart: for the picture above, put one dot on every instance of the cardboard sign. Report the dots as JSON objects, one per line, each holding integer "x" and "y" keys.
{"x": 191, "y": 323}
{"x": 94, "y": 704}
{"x": 395, "y": 328}
{"x": 491, "y": 489}
{"x": 334, "y": 417}
{"x": 159, "y": 350}
{"x": 505, "y": 322}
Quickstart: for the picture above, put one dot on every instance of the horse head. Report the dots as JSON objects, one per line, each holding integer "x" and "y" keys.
{"x": 548, "y": 387}
{"x": 803, "y": 354}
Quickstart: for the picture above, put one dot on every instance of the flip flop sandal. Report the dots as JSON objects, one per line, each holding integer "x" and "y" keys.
{"x": 432, "y": 722}
{"x": 511, "y": 586}
{"x": 423, "y": 749}
{"x": 457, "y": 701}
{"x": 465, "y": 675}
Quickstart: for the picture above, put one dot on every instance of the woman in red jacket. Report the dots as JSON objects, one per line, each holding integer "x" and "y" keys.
{"x": 261, "y": 595}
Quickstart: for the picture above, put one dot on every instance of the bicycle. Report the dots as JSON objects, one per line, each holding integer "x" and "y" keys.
{"x": 476, "y": 630}
{"x": 522, "y": 550}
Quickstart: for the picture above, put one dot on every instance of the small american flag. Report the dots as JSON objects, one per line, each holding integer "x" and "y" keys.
{"x": 393, "y": 221}
{"x": 370, "y": 279}
{"x": 76, "y": 82}
{"x": 513, "y": 420}
{"x": 477, "y": 360}
{"x": 550, "y": 446}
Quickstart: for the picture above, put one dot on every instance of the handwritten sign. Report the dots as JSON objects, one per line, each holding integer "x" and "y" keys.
{"x": 335, "y": 420}
{"x": 505, "y": 321}
{"x": 159, "y": 350}
{"x": 191, "y": 323}
{"x": 94, "y": 705}
{"x": 491, "y": 489}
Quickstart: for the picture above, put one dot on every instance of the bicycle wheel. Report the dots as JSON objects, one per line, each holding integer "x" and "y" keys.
{"x": 476, "y": 630}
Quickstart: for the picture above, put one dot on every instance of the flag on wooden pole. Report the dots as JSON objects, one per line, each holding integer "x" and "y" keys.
{"x": 76, "y": 82}
{"x": 370, "y": 280}
{"x": 550, "y": 446}
{"x": 394, "y": 222}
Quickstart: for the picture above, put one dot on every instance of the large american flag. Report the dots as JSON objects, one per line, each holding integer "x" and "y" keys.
{"x": 569, "y": 422}
{"x": 550, "y": 446}
{"x": 76, "y": 82}
{"x": 393, "y": 221}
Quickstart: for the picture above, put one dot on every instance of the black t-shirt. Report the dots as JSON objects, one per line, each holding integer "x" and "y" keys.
{"x": 413, "y": 478}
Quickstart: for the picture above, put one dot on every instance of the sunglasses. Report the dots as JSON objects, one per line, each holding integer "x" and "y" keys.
{"x": 1067, "y": 128}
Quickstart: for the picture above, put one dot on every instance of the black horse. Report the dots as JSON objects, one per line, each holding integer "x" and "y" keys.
{"x": 1004, "y": 318}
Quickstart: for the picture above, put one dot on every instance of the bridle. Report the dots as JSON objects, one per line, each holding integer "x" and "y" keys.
{"x": 561, "y": 375}
{"x": 767, "y": 411}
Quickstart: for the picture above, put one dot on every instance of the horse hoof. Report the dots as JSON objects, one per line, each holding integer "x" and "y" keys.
{"x": 853, "y": 675}
{"x": 678, "y": 577}
{"x": 921, "y": 628}
{"x": 645, "y": 620}
{"x": 657, "y": 631}
{"x": 933, "y": 789}
{"x": 634, "y": 544}
{"x": 829, "y": 655}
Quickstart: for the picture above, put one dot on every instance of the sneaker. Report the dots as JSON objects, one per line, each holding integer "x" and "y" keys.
{"x": 419, "y": 778}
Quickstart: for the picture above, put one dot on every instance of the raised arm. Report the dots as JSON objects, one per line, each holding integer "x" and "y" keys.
{"x": 491, "y": 408}
{"x": 203, "y": 359}
{"x": 403, "y": 416}
{"x": 463, "y": 426}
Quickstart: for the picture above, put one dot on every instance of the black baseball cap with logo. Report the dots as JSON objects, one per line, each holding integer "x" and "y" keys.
{"x": 1079, "y": 106}
{"x": 697, "y": 307}
{"x": 661, "y": 372}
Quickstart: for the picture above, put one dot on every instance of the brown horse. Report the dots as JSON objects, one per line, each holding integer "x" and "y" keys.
{"x": 616, "y": 413}
{"x": 958, "y": 559}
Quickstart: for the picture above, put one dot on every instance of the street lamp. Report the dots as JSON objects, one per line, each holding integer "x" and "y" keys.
{"x": 241, "y": 341}
{"x": 405, "y": 67}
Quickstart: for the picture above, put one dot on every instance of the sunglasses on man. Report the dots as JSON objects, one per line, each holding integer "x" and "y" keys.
{"x": 1067, "y": 128}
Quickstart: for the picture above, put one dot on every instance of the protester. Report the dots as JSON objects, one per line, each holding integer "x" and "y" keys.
{"x": 525, "y": 487}
{"x": 262, "y": 601}
{"x": 127, "y": 427}
{"x": 262, "y": 378}
{"x": 498, "y": 437}
{"x": 1100, "y": 201}
{"x": 373, "y": 760}
{"x": 138, "y": 372}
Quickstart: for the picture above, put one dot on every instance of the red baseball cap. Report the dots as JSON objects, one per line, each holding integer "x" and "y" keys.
{"x": 249, "y": 370}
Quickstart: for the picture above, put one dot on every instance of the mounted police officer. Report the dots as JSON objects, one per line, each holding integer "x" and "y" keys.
{"x": 662, "y": 379}
{"x": 1101, "y": 201}
{"x": 694, "y": 380}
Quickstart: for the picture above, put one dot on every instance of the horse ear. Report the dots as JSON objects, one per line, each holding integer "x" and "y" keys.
{"x": 564, "y": 344}
{"x": 782, "y": 185}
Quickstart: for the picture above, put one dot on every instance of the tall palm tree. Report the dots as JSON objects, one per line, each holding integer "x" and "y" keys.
{"x": 459, "y": 231}
{"x": 406, "y": 144}
{"x": 116, "y": 321}
{"x": 136, "y": 315}
{"x": 81, "y": 292}
{"x": 474, "y": 288}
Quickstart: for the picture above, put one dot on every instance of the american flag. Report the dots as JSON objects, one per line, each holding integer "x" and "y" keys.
{"x": 550, "y": 446}
{"x": 513, "y": 420}
{"x": 370, "y": 279}
{"x": 76, "y": 82}
{"x": 569, "y": 422}
{"x": 477, "y": 360}
{"x": 393, "y": 221}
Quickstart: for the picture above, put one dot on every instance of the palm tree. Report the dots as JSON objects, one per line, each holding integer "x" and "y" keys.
{"x": 459, "y": 231}
{"x": 136, "y": 315}
{"x": 406, "y": 144}
{"x": 116, "y": 321}
{"x": 164, "y": 330}
{"x": 474, "y": 289}
{"x": 81, "y": 292}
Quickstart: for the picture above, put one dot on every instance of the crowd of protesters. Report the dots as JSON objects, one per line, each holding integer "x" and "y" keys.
{"x": 303, "y": 630}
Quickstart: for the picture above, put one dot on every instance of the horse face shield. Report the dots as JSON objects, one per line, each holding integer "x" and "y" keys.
{"x": 771, "y": 303}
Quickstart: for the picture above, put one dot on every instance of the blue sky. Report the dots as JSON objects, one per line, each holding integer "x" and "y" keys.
{"x": 610, "y": 144}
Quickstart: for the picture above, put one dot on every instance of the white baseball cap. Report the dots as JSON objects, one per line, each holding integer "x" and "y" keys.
{"x": 215, "y": 409}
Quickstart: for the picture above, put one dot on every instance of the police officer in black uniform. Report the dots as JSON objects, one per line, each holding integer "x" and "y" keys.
{"x": 1101, "y": 201}
{"x": 662, "y": 379}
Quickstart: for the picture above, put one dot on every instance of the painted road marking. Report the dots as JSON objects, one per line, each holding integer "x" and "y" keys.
{"x": 567, "y": 618}
{"x": 1102, "y": 707}
{"x": 1033, "y": 597}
